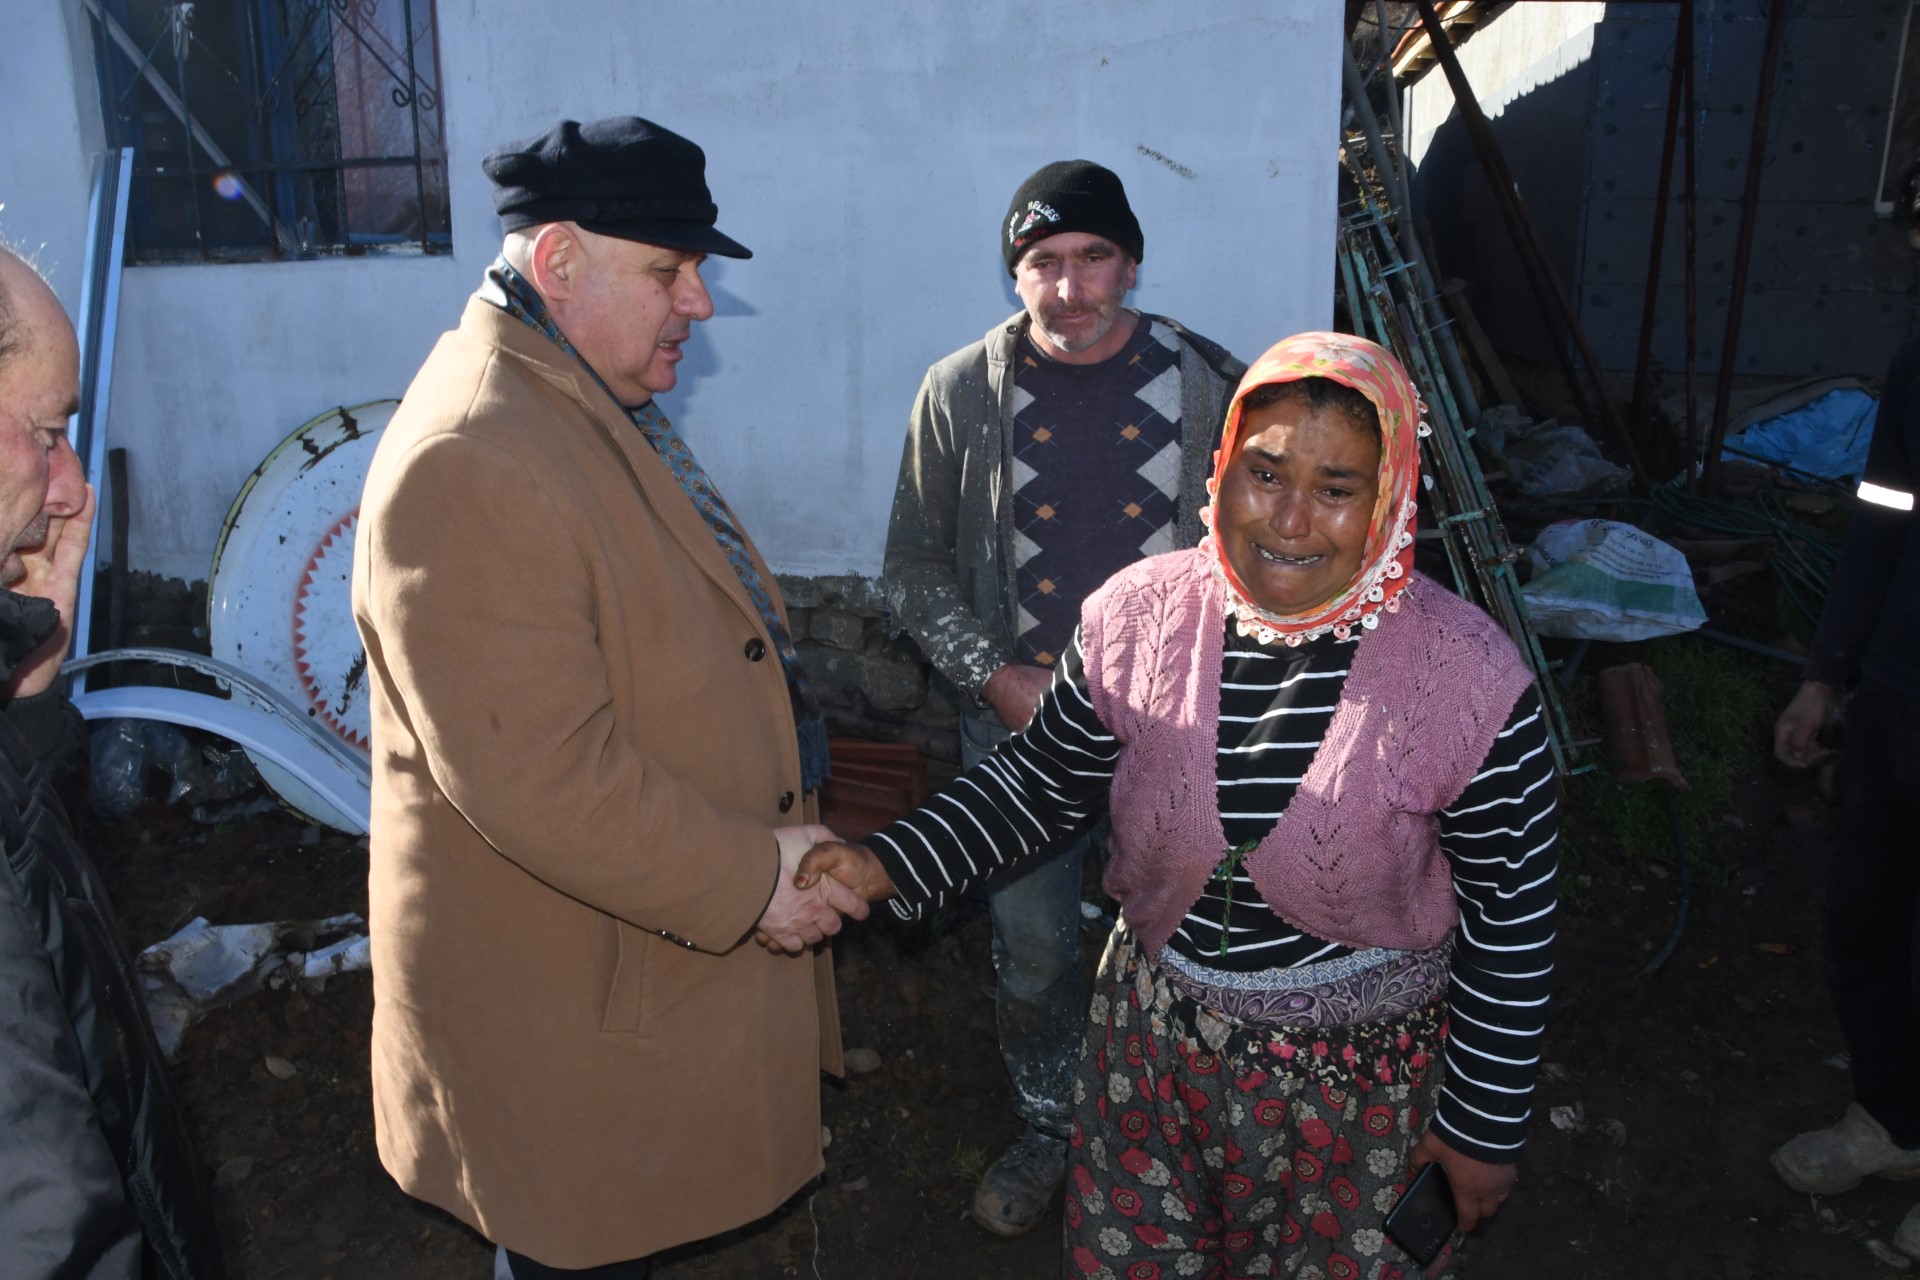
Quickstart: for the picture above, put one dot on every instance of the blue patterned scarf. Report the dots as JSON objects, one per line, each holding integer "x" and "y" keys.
{"x": 509, "y": 291}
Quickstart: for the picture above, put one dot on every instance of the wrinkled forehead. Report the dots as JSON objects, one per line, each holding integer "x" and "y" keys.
{"x": 630, "y": 250}
{"x": 34, "y": 324}
{"x": 1351, "y": 362}
{"x": 1068, "y": 244}
{"x": 1293, "y": 399}
{"x": 1295, "y": 379}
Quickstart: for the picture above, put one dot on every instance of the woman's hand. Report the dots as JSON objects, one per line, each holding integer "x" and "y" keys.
{"x": 853, "y": 865}
{"x": 1479, "y": 1188}
{"x": 799, "y": 916}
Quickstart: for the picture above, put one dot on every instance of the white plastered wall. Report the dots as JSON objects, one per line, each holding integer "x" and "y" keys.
{"x": 49, "y": 130}
{"x": 865, "y": 151}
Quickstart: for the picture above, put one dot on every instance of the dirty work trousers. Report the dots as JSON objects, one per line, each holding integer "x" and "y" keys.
{"x": 1041, "y": 1000}
{"x": 1873, "y": 906}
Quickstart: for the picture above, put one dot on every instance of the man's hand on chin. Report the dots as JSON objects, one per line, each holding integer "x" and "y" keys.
{"x": 51, "y": 570}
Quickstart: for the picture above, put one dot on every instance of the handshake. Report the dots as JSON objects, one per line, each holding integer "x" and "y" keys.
{"x": 822, "y": 880}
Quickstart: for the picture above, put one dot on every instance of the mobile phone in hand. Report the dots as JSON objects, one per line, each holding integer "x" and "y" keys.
{"x": 1425, "y": 1216}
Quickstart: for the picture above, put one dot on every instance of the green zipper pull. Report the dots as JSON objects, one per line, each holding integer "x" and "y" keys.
{"x": 1230, "y": 863}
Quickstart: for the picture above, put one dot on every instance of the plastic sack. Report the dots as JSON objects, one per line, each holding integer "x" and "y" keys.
{"x": 205, "y": 966}
{"x": 1826, "y": 438}
{"x": 173, "y": 753}
{"x": 222, "y": 771}
{"x": 1554, "y": 459}
{"x": 117, "y": 753}
{"x": 122, "y": 752}
{"x": 1603, "y": 580}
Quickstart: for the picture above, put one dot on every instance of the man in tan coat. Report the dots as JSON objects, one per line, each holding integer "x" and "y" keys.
{"x": 588, "y": 730}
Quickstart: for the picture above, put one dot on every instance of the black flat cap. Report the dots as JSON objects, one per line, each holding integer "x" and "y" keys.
{"x": 623, "y": 176}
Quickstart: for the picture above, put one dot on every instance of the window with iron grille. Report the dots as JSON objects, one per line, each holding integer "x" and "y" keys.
{"x": 276, "y": 128}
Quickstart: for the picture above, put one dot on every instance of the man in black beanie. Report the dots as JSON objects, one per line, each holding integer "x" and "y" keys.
{"x": 1070, "y": 441}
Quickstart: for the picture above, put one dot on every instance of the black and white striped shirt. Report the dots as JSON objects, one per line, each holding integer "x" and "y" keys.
{"x": 1275, "y": 706}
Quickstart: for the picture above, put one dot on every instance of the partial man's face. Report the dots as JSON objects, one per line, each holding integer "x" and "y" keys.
{"x": 39, "y": 390}
{"x": 1073, "y": 285}
{"x": 633, "y": 310}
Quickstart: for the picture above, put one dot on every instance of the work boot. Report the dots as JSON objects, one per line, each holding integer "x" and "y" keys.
{"x": 1907, "y": 1237}
{"x": 1016, "y": 1190}
{"x": 1828, "y": 1161}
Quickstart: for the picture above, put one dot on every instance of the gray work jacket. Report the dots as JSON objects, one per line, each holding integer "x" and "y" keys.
{"x": 949, "y": 576}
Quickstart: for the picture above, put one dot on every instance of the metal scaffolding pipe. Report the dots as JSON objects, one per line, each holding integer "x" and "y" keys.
{"x": 1526, "y": 234}
{"x": 1682, "y": 72}
{"x": 1743, "y": 249}
{"x": 1691, "y": 199}
{"x": 1401, "y": 197}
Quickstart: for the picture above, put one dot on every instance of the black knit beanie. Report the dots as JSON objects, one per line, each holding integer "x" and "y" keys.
{"x": 1070, "y": 195}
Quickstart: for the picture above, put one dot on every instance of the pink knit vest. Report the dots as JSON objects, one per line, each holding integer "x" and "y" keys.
{"x": 1355, "y": 859}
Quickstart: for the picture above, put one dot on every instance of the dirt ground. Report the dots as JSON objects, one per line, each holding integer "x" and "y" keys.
{"x": 1681, "y": 1084}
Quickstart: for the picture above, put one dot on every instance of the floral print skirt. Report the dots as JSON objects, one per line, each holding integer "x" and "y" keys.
{"x": 1208, "y": 1147}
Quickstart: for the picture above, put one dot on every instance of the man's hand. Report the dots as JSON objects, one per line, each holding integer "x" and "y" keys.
{"x": 1014, "y": 693}
{"x": 1479, "y": 1188}
{"x": 1795, "y": 731}
{"x": 53, "y": 573}
{"x": 850, "y": 865}
{"x": 798, "y": 917}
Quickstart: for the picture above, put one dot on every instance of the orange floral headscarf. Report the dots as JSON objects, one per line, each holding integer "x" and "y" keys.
{"x": 1371, "y": 370}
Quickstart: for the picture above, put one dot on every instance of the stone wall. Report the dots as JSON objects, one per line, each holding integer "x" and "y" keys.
{"x": 161, "y": 612}
{"x": 871, "y": 684}
{"x": 158, "y": 613}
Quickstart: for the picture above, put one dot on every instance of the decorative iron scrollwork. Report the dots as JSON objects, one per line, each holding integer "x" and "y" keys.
{"x": 306, "y": 70}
